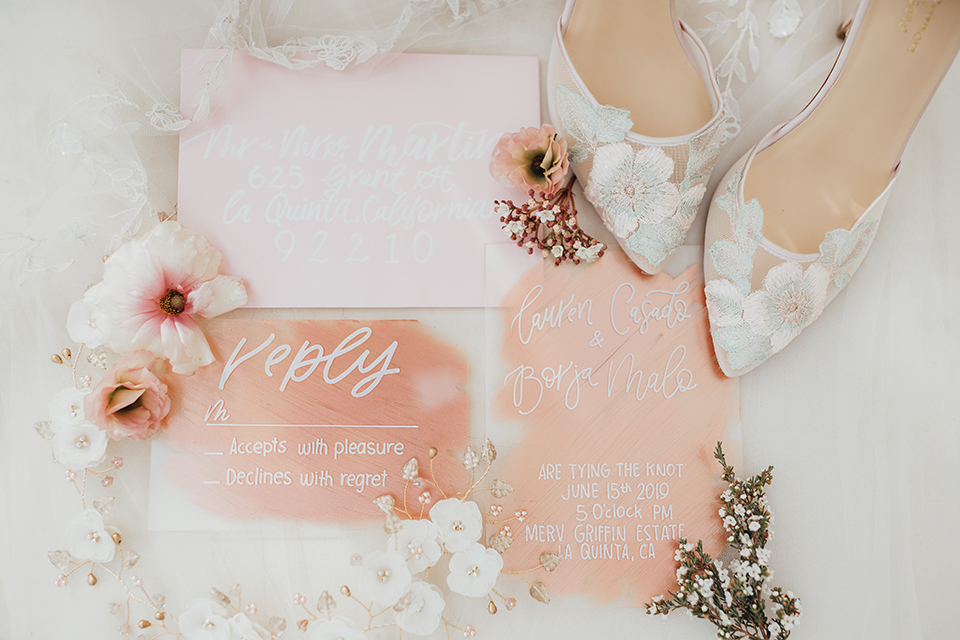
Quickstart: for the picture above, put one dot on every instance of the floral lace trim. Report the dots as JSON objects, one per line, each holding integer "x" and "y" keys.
{"x": 630, "y": 184}
{"x": 237, "y": 27}
{"x": 751, "y": 326}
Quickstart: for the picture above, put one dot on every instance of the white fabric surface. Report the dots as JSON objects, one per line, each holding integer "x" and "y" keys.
{"x": 860, "y": 415}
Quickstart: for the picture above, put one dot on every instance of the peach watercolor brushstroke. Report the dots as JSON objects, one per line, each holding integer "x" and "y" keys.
{"x": 682, "y": 429}
{"x": 426, "y": 392}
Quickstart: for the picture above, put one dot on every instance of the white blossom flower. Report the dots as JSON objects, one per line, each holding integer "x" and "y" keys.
{"x": 242, "y": 628}
{"x": 474, "y": 570}
{"x": 513, "y": 228}
{"x": 459, "y": 523}
{"x": 590, "y": 254}
{"x": 79, "y": 444}
{"x": 502, "y": 209}
{"x": 763, "y": 556}
{"x": 421, "y": 616}
{"x": 789, "y": 301}
{"x": 417, "y": 542}
{"x": 336, "y": 628}
{"x": 557, "y": 251}
{"x": 546, "y": 215}
{"x": 385, "y": 577}
{"x": 151, "y": 290}
{"x": 632, "y": 186}
{"x": 204, "y": 619}
{"x": 90, "y": 539}
{"x": 66, "y": 407}
{"x": 80, "y": 326}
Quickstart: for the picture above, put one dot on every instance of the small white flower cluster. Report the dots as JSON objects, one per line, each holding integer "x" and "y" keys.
{"x": 549, "y": 225}
{"x": 734, "y": 599}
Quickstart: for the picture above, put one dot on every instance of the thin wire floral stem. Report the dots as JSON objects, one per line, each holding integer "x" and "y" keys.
{"x": 517, "y": 574}
{"x": 473, "y": 485}
{"x": 435, "y": 483}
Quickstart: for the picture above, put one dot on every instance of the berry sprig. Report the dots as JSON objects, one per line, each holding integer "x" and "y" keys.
{"x": 548, "y": 222}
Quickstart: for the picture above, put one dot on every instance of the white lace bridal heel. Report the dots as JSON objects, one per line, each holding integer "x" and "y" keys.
{"x": 632, "y": 91}
{"x": 790, "y": 223}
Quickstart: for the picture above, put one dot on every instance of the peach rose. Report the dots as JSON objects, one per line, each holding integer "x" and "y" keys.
{"x": 130, "y": 401}
{"x": 531, "y": 159}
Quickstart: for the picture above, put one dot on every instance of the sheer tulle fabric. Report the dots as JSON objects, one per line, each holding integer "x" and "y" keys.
{"x": 859, "y": 414}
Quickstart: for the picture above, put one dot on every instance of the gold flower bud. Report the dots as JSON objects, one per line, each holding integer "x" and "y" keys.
{"x": 345, "y": 590}
{"x": 91, "y": 579}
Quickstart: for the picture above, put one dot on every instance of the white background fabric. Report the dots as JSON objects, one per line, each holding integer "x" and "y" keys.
{"x": 860, "y": 415}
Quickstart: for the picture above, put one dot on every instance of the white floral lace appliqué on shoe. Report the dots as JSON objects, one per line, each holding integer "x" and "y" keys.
{"x": 631, "y": 184}
{"x": 748, "y": 327}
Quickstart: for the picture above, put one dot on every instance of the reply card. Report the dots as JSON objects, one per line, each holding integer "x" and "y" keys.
{"x": 612, "y": 376}
{"x": 355, "y": 188}
{"x": 311, "y": 419}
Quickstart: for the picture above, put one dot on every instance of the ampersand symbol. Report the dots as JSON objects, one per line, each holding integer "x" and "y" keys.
{"x": 597, "y": 340}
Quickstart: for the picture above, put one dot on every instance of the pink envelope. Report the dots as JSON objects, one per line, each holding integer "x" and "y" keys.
{"x": 356, "y": 188}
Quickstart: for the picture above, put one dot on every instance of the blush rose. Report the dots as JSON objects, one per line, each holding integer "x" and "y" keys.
{"x": 531, "y": 159}
{"x": 130, "y": 401}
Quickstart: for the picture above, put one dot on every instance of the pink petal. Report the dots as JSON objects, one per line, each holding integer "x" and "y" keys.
{"x": 222, "y": 294}
{"x": 123, "y": 397}
{"x": 184, "y": 345}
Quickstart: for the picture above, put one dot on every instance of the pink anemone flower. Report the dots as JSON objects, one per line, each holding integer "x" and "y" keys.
{"x": 152, "y": 288}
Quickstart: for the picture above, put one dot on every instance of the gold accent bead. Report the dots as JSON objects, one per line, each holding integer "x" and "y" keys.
{"x": 116, "y": 537}
{"x": 432, "y": 453}
{"x": 159, "y": 615}
{"x": 491, "y": 607}
{"x": 66, "y": 353}
{"x": 345, "y": 590}
{"x": 143, "y": 624}
{"x": 56, "y": 359}
{"x": 91, "y": 579}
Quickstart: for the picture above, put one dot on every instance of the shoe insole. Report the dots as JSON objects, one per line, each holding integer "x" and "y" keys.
{"x": 824, "y": 174}
{"x": 628, "y": 54}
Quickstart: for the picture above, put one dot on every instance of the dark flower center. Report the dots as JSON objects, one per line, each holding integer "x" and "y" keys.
{"x": 173, "y": 302}
{"x": 535, "y": 167}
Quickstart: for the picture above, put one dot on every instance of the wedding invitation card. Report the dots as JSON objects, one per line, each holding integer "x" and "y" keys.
{"x": 608, "y": 379}
{"x": 355, "y": 188}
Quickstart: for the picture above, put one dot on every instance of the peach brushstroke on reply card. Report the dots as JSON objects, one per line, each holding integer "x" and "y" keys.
{"x": 599, "y": 470}
{"x": 421, "y": 386}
